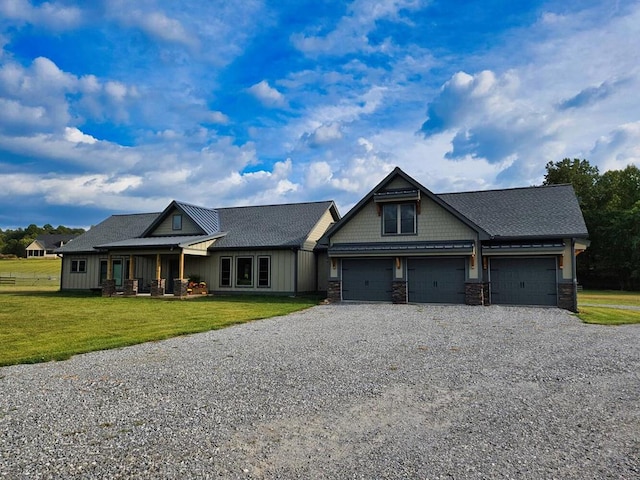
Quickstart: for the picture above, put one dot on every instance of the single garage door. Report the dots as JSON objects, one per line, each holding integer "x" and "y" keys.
{"x": 523, "y": 281}
{"x": 436, "y": 280}
{"x": 367, "y": 279}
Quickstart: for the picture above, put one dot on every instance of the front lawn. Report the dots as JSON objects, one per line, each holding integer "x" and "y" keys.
{"x": 40, "y": 325}
{"x": 603, "y": 315}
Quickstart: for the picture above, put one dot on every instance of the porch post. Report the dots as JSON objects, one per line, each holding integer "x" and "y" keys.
{"x": 131, "y": 283}
{"x": 109, "y": 285}
{"x": 180, "y": 284}
{"x": 157, "y": 286}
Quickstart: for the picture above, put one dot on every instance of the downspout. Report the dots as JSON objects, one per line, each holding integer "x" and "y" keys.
{"x": 61, "y": 269}
{"x": 574, "y": 274}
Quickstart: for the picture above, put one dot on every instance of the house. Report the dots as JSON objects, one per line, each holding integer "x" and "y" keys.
{"x": 263, "y": 249}
{"x": 44, "y": 246}
{"x": 402, "y": 243}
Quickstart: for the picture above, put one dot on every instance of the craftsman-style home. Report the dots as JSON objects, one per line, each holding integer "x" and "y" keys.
{"x": 402, "y": 243}
{"x": 265, "y": 249}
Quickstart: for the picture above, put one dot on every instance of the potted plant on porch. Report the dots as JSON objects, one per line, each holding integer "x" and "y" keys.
{"x": 196, "y": 286}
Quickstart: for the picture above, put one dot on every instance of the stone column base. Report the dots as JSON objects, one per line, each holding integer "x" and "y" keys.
{"x": 474, "y": 293}
{"x": 109, "y": 288}
{"x": 399, "y": 291}
{"x": 334, "y": 291}
{"x": 180, "y": 287}
{"x": 157, "y": 287}
{"x": 567, "y": 296}
{"x": 130, "y": 288}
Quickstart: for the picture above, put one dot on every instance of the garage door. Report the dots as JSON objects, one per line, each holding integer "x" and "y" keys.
{"x": 436, "y": 280}
{"x": 367, "y": 279}
{"x": 523, "y": 281}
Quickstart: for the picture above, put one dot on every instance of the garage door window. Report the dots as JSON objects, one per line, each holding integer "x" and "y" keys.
{"x": 399, "y": 219}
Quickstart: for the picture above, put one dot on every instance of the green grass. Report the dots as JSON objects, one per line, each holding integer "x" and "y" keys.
{"x": 41, "y": 325}
{"x": 603, "y": 315}
{"x": 31, "y": 272}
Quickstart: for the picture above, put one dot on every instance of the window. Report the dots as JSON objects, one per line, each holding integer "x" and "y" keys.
{"x": 244, "y": 271}
{"x": 399, "y": 219}
{"x": 78, "y": 266}
{"x": 264, "y": 271}
{"x": 225, "y": 272}
{"x": 177, "y": 222}
{"x": 103, "y": 271}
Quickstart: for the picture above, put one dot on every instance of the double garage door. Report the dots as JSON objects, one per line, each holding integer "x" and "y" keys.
{"x": 429, "y": 280}
{"x": 523, "y": 281}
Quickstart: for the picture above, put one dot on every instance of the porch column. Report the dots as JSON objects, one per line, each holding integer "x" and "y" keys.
{"x": 131, "y": 283}
{"x": 109, "y": 285}
{"x": 158, "y": 285}
{"x": 180, "y": 284}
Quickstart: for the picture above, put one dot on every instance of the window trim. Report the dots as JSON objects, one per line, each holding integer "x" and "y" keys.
{"x": 80, "y": 265}
{"x": 230, "y": 284}
{"x": 251, "y": 272}
{"x": 268, "y": 259}
{"x": 176, "y": 222}
{"x": 398, "y": 214}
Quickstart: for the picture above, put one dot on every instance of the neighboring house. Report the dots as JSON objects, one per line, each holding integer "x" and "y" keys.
{"x": 44, "y": 246}
{"x": 402, "y": 243}
{"x": 263, "y": 249}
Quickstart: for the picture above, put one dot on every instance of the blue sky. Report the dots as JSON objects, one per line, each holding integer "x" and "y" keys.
{"x": 112, "y": 106}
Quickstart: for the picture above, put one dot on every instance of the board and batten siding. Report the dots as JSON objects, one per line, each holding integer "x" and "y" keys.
{"x": 166, "y": 226}
{"x": 80, "y": 281}
{"x": 434, "y": 224}
{"x": 306, "y": 271}
{"x": 282, "y": 271}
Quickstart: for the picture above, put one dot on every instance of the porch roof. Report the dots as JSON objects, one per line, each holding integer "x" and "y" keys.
{"x": 160, "y": 242}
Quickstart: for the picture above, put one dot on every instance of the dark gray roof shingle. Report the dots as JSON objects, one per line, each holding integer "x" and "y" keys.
{"x": 285, "y": 225}
{"x": 113, "y": 229}
{"x": 547, "y": 211}
{"x": 50, "y": 241}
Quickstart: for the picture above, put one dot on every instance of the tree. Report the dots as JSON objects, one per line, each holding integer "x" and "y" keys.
{"x": 580, "y": 174}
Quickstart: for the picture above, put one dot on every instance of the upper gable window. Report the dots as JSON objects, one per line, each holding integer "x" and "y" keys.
{"x": 177, "y": 222}
{"x": 399, "y": 218}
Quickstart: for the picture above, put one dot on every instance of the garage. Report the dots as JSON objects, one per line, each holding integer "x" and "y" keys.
{"x": 436, "y": 280}
{"x": 523, "y": 281}
{"x": 367, "y": 279}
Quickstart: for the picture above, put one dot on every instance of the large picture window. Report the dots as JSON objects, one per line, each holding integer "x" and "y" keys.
{"x": 264, "y": 272}
{"x": 225, "y": 272}
{"x": 78, "y": 266}
{"x": 399, "y": 219}
{"x": 244, "y": 271}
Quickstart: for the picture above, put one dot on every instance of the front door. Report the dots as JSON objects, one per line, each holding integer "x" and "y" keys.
{"x": 172, "y": 274}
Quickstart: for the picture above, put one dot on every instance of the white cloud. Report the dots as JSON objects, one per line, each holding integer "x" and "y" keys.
{"x": 49, "y": 14}
{"x": 323, "y": 135}
{"x": 619, "y": 148}
{"x": 351, "y": 33}
{"x": 268, "y": 95}
{"x": 74, "y": 135}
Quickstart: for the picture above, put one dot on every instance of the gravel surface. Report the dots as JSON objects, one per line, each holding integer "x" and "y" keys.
{"x": 337, "y": 392}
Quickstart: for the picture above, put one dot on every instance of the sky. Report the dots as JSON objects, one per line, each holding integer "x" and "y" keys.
{"x": 114, "y": 106}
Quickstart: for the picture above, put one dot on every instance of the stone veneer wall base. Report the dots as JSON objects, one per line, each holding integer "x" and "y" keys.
{"x": 399, "y": 291}
{"x": 334, "y": 291}
{"x": 109, "y": 288}
{"x": 567, "y": 296}
{"x": 157, "y": 287}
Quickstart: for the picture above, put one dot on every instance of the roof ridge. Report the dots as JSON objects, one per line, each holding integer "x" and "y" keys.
{"x": 506, "y": 189}
{"x": 277, "y": 204}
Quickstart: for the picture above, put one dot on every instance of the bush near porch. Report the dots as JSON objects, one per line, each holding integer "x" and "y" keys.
{"x": 43, "y": 325}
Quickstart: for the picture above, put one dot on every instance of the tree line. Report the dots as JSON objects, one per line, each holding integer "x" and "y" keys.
{"x": 15, "y": 242}
{"x": 610, "y": 204}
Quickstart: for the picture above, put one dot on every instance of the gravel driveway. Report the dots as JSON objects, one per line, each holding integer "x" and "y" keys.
{"x": 339, "y": 391}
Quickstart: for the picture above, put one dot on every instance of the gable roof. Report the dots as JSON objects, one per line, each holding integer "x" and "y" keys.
{"x": 51, "y": 241}
{"x": 266, "y": 226}
{"x": 546, "y": 211}
{"x": 280, "y": 226}
{"x": 377, "y": 191}
{"x": 205, "y": 218}
{"x": 113, "y": 229}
